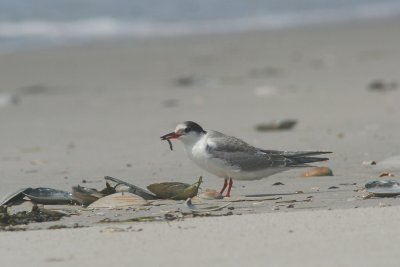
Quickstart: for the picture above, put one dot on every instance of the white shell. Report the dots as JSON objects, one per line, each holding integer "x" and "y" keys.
{"x": 383, "y": 188}
{"x": 211, "y": 194}
{"x": 119, "y": 200}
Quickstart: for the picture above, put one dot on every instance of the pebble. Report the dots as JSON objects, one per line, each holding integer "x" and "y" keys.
{"x": 318, "y": 171}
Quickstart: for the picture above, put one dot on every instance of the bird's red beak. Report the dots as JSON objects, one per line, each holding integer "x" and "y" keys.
{"x": 169, "y": 136}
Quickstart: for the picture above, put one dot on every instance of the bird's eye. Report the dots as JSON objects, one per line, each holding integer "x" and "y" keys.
{"x": 188, "y": 129}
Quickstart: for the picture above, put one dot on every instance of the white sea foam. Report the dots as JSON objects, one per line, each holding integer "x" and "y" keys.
{"x": 106, "y": 27}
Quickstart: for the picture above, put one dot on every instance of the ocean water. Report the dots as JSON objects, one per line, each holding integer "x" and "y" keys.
{"x": 30, "y": 23}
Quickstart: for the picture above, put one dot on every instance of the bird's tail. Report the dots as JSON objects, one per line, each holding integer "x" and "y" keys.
{"x": 303, "y": 158}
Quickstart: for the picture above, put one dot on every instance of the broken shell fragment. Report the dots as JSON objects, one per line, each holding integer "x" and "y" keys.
{"x": 15, "y": 197}
{"x": 175, "y": 190}
{"x": 49, "y": 196}
{"x": 386, "y": 174}
{"x": 195, "y": 208}
{"x": 122, "y": 186}
{"x": 368, "y": 163}
{"x": 119, "y": 200}
{"x": 318, "y": 171}
{"x": 276, "y": 125}
{"x": 383, "y": 188}
{"x": 85, "y": 195}
{"x": 211, "y": 194}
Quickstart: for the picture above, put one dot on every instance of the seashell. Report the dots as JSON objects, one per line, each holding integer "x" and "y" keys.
{"x": 49, "y": 196}
{"x": 318, "y": 171}
{"x": 14, "y": 197}
{"x": 85, "y": 195}
{"x": 383, "y": 188}
{"x": 276, "y": 125}
{"x": 119, "y": 200}
{"x": 386, "y": 174}
{"x": 195, "y": 208}
{"x": 368, "y": 162}
{"x": 175, "y": 190}
{"x": 131, "y": 188}
{"x": 211, "y": 194}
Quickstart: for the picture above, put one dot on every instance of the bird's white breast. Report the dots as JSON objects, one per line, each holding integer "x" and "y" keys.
{"x": 198, "y": 154}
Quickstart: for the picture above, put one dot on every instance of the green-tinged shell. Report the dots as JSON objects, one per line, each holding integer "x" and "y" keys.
{"x": 175, "y": 190}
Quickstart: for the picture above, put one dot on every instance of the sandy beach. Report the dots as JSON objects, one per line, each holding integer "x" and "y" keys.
{"x": 86, "y": 111}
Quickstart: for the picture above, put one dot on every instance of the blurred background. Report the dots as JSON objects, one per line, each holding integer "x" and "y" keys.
{"x": 28, "y": 23}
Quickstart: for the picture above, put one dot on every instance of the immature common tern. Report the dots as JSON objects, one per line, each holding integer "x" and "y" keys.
{"x": 231, "y": 158}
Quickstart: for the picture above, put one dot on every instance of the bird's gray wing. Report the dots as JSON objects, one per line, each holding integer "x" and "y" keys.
{"x": 245, "y": 157}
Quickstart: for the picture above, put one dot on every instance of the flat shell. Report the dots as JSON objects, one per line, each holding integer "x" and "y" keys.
{"x": 49, "y": 196}
{"x": 383, "y": 188}
{"x": 17, "y": 196}
{"x": 130, "y": 188}
{"x": 119, "y": 200}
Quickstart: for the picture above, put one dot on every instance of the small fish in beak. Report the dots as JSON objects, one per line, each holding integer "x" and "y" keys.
{"x": 169, "y": 136}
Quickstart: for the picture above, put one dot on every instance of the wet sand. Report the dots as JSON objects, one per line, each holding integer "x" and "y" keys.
{"x": 84, "y": 112}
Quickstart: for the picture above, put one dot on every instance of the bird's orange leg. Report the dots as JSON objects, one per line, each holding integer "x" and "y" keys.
{"x": 228, "y": 194}
{"x": 225, "y": 184}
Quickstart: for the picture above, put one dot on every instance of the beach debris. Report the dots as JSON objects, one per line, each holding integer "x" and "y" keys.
{"x": 382, "y": 86}
{"x": 122, "y": 186}
{"x": 278, "y": 183}
{"x": 348, "y": 184}
{"x": 389, "y": 164}
{"x": 196, "y": 209}
{"x": 172, "y": 216}
{"x": 186, "y": 80}
{"x": 318, "y": 171}
{"x": 383, "y": 188}
{"x": 294, "y": 200}
{"x": 23, "y": 217}
{"x": 386, "y": 174}
{"x": 119, "y": 200}
{"x": 194, "y": 80}
{"x": 369, "y": 162}
{"x": 276, "y": 125}
{"x": 333, "y": 187}
{"x": 85, "y": 195}
{"x": 8, "y": 99}
{"x": 49, "y": 196}
{"x": 15, "y": 198}
{"x": 175, "y": 190}
{"x": 211, "y": 194}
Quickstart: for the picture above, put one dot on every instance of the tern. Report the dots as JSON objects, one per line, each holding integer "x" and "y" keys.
{"x": 233, "y": 159}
